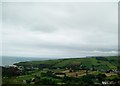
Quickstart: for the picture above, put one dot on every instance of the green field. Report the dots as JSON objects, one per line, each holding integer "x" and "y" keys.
{"x": 74, "y": 70}
{"x": 104, "y": 63}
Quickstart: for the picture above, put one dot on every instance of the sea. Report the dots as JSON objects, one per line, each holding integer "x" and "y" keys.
{"x": 9, "y": 60}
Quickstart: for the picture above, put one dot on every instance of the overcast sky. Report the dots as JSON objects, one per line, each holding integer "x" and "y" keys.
{"x": 60, "y": 29}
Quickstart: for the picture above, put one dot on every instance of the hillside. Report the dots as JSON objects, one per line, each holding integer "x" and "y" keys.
{"x": 98, "y": 63}
{"x": 63, "y": 72}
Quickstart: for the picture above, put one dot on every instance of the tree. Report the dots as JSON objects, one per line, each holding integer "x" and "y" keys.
{"x": 101, "y": 77}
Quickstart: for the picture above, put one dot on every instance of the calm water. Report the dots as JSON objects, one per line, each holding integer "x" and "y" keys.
{"x": 6, "y": 60}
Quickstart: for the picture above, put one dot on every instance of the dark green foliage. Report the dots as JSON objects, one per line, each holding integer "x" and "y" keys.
{"x": 47, "y": 81}
{"x": 89, "y": 79}
{"x": 10, "y": 72}
{"x": 102, "y": 58}
{"x": 86, "y": 80}
{"x": 101, "y": 77}
{"x": 47, "y": 74}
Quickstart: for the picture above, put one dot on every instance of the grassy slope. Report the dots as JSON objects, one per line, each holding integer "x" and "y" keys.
{"x": 89, "y": 62}
{"x": 109, "y": 63}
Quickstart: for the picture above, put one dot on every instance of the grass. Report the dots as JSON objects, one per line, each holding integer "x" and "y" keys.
{"x": 110, "y": 63}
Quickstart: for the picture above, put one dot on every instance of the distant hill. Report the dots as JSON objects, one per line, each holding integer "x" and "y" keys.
{"x": 109, "y": 62}
{"x": 10, "y": 60}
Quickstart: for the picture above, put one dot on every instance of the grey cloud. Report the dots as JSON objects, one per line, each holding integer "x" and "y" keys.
{"x": 60, "y": 29}
{"x": 43, "y": 28}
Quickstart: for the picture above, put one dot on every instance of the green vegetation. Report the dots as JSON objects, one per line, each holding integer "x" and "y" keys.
{"x": 66, "y": 72}
{"x": 106, "y": 63}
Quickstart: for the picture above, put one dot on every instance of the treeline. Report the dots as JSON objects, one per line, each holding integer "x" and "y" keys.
{"x": 86, "y": 80}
